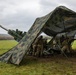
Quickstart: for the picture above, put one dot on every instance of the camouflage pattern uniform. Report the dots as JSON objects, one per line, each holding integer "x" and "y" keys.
{"x": 65, "y": 46}
{"x": 38, "y": 47}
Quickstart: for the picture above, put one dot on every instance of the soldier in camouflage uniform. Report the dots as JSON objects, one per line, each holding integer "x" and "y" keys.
{"x": 38, "y": 47}
{"x": 65, "y": 46}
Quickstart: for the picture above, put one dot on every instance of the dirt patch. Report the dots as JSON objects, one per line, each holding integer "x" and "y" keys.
{"x": 55, "y": 58}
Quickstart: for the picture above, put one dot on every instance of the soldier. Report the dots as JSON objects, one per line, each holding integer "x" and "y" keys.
{"x": 45, "y": 44}
{"x": 65, "y": 46}
{"x": 38, "y": 46}
{"x": 62, "y": 38}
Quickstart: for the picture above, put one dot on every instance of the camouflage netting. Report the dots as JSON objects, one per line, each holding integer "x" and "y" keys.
{"x": 60, "y": 20}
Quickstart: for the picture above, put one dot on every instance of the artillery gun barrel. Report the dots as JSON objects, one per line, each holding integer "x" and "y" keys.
{"x": 12, "y": 33}
{"x": 4, "y": 28}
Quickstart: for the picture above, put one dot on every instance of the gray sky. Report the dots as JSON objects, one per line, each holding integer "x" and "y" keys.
{"x": 21, "y": 14}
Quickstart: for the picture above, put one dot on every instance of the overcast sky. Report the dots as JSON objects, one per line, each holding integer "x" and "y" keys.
{"x": 21, "y": 14}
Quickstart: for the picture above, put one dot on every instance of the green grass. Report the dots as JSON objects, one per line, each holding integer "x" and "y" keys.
{"x": 5, "y": 45}
{"x": 37, "y": 66}
{"x": 46, "y": 66}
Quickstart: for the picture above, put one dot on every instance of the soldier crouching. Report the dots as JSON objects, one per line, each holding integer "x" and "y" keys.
{"x": 38, "y": 47}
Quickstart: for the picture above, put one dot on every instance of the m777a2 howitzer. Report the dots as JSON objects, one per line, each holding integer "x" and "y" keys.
{"x": 18, "y": 35}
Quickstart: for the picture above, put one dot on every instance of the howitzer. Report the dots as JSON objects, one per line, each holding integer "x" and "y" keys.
{"x": 16, "y": 34}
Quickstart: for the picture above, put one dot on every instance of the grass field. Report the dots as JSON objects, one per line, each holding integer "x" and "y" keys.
{"x": 5, "y": 45}
{"x": 38, "y": 66}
